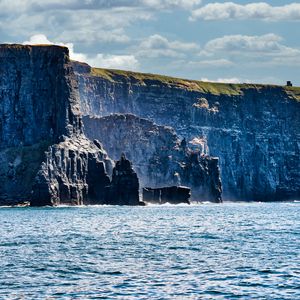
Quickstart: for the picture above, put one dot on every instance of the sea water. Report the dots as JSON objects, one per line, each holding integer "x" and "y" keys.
{"x": 227, "y": 251}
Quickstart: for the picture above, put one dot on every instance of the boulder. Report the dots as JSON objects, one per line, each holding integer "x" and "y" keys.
{"x": 172, "y": 195}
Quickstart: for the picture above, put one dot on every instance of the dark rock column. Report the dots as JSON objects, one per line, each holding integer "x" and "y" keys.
{"x": 215, "y": 179}
{"x": 98, "y": 181}
{"x": 125, "y": 184}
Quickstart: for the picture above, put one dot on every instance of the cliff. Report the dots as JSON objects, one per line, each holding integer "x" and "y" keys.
{"x": 159, "y": 157}
{"x": 44, "y": 156}
{"x": 253, "y": 129}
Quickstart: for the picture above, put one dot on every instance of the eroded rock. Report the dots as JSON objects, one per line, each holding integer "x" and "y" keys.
{"x": 159, "y": 157}
{"x": 171, "y": 195}
{"x": 45, "y": 158}
{"x": 74, "y": 173}
{"x": 253, "y": 129}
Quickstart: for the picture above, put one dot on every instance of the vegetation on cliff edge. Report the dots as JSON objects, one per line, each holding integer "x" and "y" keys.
{"x": 215, "y": 88}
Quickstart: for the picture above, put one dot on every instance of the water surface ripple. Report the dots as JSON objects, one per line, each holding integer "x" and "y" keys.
{"x": 229, "y": 251}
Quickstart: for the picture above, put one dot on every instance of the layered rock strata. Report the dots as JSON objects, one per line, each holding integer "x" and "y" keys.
{"x": 159, "y": 157}
{"x": 253, "y": 129}
{"x": 74, "y": 172}
{"x": 45, "y": 158}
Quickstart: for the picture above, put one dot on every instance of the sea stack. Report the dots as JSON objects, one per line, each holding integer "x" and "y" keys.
{"x": 124, "y": 185}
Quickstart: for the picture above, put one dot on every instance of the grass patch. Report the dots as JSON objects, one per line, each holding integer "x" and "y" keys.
{"x": 214, "y": 88}
{"x": 293, "y": 92}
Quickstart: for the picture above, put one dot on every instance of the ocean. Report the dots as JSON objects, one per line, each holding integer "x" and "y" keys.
{"x": 206, "y": 251}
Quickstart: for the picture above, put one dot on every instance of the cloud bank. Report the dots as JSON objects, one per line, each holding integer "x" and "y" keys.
{"x": 258, "y": 11}
{"x": 158, "y": 46}
{"x": 268, "y": 45}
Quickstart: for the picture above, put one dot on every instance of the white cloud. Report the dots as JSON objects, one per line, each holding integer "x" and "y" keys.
{"x": 159, "y": 46}
{"x": 82, "y": 21}
{"x": 185, "y": 4}
{"x": 259, "y": 10}
{"x": 22, "y": 6}
{"x": 263, "y": 50}
{"x": 223, "y": 80}
{"x": 291, "y": 62}
{"x": 42, "y": 39}
{"x": 210, "y": 63}
{"x": 71, "y": 20}
{"x": 38, "y": 39}
{"x": 236, "y": 80}
{"x": 267, "y": 45}
{"x": 89, "y": 35}
{"x": 128, "y": 62}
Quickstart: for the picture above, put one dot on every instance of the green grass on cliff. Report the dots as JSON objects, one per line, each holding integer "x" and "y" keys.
{"x": 193, "y": 85}
{"x": 293, "y": 92}
{"x": 214, "y": 88}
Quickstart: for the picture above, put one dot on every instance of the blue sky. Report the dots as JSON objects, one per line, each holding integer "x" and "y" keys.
{"x": 238, "y": 41}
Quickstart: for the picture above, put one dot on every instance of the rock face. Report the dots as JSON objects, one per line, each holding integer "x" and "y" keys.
{"x": 124, "y": 188}
{"x": 73, "y": 173}
{"x": 44, "y": 156}
{"x": 159, "y": 157}
{"x": 172, "y": 195}
{"x": 253, "y": 129}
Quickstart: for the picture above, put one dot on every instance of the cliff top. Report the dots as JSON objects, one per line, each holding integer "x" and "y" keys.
{"x": 215, "y": 88}
{"x": 17, "y": 48}
{"x": 21, "y": 46}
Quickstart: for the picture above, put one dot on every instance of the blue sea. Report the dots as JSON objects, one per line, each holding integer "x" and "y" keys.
{"x": 208, "y": 251}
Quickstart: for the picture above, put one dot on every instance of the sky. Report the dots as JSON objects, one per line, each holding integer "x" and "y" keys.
{"x": 238, "y": 41}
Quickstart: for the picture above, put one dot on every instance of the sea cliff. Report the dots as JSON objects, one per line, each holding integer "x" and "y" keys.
{"x": 253, "y": 129}
{"x": 44, "y": 156}
{"x": 236, "y": 142}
